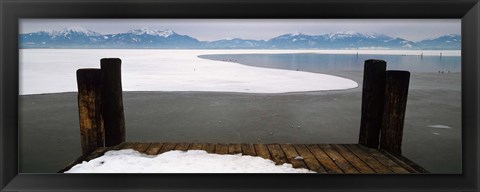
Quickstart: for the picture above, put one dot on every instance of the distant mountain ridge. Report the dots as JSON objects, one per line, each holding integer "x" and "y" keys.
{"x": 76, "y": 37}
{"x": 451, "y": 41}
{"x": 342, "y": 40}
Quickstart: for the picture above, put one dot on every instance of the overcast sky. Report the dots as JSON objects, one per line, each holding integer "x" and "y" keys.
{"x": 258, "y": 29}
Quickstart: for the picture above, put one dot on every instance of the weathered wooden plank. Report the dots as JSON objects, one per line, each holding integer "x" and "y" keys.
{"x": 309, "y": 159}
{"x": 404, "y": 162}
{"x": 234, "y": 148}
{"x": 195, "y": 146}
{"x": 167, "y": 147}
{"x": 209, "y": 147}
{"x": 396, "y": 92}
{"x": 373, "y": 93}
{"x": 89, "y": 83}
{"x": 112, "y": 101}
{"x": 384, "y": 160}
{"x": 142, "y": 147}
{"x": 324, "y": 159}
{"x": 291, "y": 155}
{"x": 338, "y": 159}
{"x": 370, "y": 161}
{"x": 277, "y": 154}
{"x": 154, "y": 148}
{"x": 182, "y": 146}
{"x": 353, "y": 159}
{"x": 248, "y": 149}
{"x": 97, "y": 153}
{"x": 399, "y": 162}
{"x": 119, "y": 146}
{"x": 262, "y": 151}
{"x": 129, "y": 145}
{"x": 221, "y": 148}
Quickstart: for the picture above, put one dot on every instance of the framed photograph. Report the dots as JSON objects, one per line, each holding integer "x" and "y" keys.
{"x": 346, "y": 95}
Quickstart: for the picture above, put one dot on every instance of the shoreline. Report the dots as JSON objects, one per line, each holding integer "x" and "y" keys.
{"x": 446, "y": 53}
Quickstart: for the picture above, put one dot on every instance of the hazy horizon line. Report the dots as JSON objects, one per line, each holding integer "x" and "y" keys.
{"x": 230, "y": 38}
{"x": 256, "y": 29}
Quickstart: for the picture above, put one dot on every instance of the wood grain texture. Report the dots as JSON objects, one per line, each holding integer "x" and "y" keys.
{"x": 209, "y": 147}
{"x": 321, "y": 158}
{"x": 262, "y": 151}
{"x": 373, "y": 93}
{"x": 142, "y": 147}
{"x": 324, "y": 159}
{"x": 129, "y": 145}
{"x": 195, "y": 146}
{"x": 97, "y": 153}
{"x": 392, "y": 165}
{"x": 396, "y": 92}
{"x": 309, "y": 159}
{"x": 234, "y": 148}
{"x": 353, "y": 159}
{"x": 89, "y": 83}
{"x": 277, "y": 154}
{"x": 182, "y": 146}
{"x": 221, "y": 148}
{"x": 248, "y": 149}
{"x": 292, "y": 156}
{"x": 368, "y": 159}
{"x": 404, "y": 162}
{"x": 154, "y": 148}
{"x": 338, "y": 159}
{"x": 167, "y": 147}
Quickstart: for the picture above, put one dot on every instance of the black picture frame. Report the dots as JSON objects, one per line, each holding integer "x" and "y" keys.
{"x": 11, "y": 11}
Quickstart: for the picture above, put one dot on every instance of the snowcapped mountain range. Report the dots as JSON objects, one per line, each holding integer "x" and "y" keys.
{"x": 76, "y": 37}
{"x": 342, "y": 40}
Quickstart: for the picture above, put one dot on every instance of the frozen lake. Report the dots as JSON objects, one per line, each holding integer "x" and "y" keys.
{"x": 53, "y": 71}
{"x": 432, "y": 123}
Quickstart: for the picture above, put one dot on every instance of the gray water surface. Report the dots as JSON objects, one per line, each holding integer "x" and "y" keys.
{"x": 314, "y": 62}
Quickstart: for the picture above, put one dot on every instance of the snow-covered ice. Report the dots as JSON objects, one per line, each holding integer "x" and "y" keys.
{"x": 192, "y": 161}
{"x": 53, "y": 71}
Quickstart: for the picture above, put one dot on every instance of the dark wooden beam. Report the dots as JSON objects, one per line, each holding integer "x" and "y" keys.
{"x": 112, "y": 101}
{"x": 89, "y": 109}
{"x": 372, "y": 102}
{"x": 396, "y": 92}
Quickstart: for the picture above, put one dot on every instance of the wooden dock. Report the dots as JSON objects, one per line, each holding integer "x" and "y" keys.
{"x": 321, "y": 158}
{"x": 379, "y": 148}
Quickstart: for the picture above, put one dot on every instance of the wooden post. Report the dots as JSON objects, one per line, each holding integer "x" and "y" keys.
{"x": 372, "y": 102}
{"x": 396, "y": 91}
{"x": 112, "y": 101}
{"x": 89, "y": 107}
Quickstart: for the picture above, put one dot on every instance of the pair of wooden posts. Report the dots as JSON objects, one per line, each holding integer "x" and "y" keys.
{"x": 102, "y": 122}
{"x": 100, "y": 105}
{"x": 384, "y": 102}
